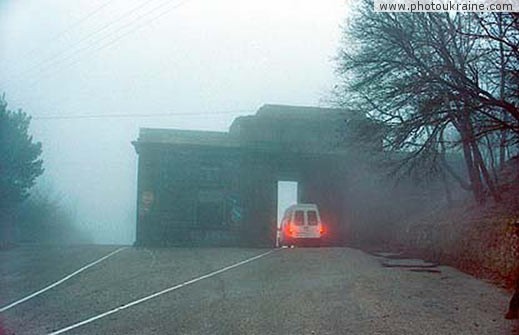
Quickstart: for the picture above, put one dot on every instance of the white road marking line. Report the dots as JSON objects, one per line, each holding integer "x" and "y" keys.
{"x": 11, "y": 305}
{"x": 154, "y": 295}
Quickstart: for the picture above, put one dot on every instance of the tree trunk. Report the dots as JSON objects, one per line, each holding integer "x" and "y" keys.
{"x": 492, "y": 160}
{"x": 480, "y": 164}
{"x": 446, "y": 188}
{"x": 472, "y": 167}
{"x": 474, "y": 176}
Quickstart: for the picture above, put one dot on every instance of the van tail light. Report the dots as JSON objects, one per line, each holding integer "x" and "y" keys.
{"x": 321, "y": 230}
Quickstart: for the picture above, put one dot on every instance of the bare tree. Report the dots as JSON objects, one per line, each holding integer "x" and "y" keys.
{"x": 427, "y": 75}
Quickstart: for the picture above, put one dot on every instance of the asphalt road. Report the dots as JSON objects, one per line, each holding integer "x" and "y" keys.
{"x": 288, "y": 291}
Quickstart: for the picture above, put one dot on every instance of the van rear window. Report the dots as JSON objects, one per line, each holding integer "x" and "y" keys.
{"x": 299, "y": 218}
{"x": 312, "y": 218}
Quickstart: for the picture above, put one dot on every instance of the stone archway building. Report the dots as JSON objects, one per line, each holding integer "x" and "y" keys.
{"x": 220, "y": 188}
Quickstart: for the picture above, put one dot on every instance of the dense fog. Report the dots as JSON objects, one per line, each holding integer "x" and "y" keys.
{"x": 91, "y": 73}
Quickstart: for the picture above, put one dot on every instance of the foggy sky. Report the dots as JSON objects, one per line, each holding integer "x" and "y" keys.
{"x": 214, "y": 59}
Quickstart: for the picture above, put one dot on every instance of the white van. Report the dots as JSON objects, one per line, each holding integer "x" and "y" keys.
{"x": 301, "y": 224}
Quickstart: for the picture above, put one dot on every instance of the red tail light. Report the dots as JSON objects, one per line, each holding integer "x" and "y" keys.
{"x": 321, "y": 230}
{"x": 288, "y": 230}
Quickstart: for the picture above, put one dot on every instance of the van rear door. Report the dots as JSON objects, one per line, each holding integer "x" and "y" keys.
{"x": 298, "y": 223}
{"x": 305, "y": 225}
{"x": 313, "y": 222}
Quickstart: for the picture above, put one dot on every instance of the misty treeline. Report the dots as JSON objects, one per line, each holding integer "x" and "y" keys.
{"x": 20, "y": 165}
{"x": 25, "y": 216}
{"x": 436, "y": 84}
{"x": 45, "y": 218}
{"x": 20, "y": 162}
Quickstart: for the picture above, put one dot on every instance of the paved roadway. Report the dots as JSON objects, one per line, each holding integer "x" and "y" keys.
{"x": 289, "y": 291}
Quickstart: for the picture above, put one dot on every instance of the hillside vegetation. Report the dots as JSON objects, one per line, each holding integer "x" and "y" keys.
{"x": 480, "y": 239}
